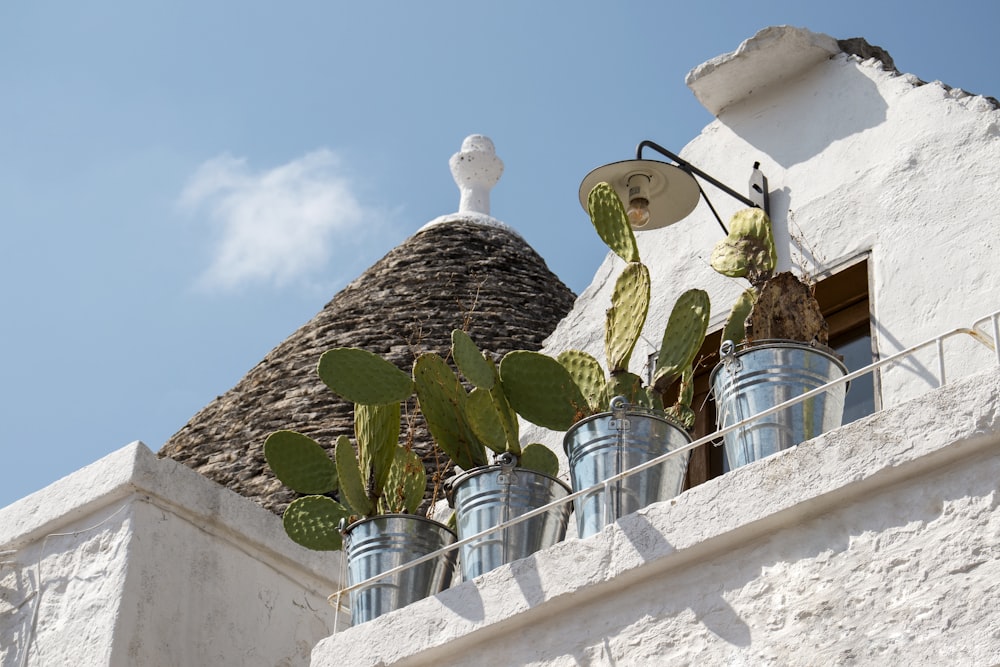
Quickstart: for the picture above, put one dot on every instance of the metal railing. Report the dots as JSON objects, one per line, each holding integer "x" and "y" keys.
{"x": 990, "y": 339}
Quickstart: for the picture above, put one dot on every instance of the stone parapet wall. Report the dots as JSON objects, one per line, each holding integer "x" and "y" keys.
{"x": 873, "y": 544}
{"x": 136, "y": 560}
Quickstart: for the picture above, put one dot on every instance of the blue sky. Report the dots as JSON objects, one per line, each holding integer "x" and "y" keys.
{"x": 183, "y": 184}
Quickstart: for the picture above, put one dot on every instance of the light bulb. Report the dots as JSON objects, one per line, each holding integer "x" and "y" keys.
{"x": 638, "y": 200}
{"x": 638, "y": 212}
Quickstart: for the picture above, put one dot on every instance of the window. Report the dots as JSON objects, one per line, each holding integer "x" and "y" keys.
{"x": 844, "y": 300}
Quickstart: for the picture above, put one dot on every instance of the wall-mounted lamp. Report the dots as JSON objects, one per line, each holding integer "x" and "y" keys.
{"x": 658, "y": 194}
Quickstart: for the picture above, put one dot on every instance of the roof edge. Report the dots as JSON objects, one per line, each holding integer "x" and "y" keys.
{"x": 772, "y": 56}
{"x": 470, "y": 216}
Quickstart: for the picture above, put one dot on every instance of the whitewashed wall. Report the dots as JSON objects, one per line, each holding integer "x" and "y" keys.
{"x": 859, "y": 161}
{"x": 875, "y": 544}
{"x": 136, "y": 560}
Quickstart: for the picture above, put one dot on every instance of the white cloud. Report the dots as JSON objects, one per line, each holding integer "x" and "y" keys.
{"x": 277, "y": 226}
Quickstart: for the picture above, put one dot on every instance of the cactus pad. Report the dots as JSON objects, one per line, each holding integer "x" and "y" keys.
{"x": 541, "y": 390}
{"x": 376, "y": 429}
{"x": 607, "y": 213}
{"x": 589, "y": 377}
{"x": 627, "y": 315}
{"x": 300, "y": 462}
{"x": 630, "y": 386}
{"x": 404, "y": 488}
{"x": 442, "y": 401}
{"x": 508, "y": 418}
{"x": 735, "y": 329}
{"x": 539, "y": 458}
{"x": 748, "y": 251}
{"x": 360, "y": 376}
{"x": 353, "y": 486}
{"x": 681, "y": 411}
{"x": 484, "y": 420}
{"x": 313, "y": 522}
{"x": 476, "y": 368}
{"x": 682, "y": 338}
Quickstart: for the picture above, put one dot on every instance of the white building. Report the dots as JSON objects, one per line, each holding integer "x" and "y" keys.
{"x": 876, "y": 543}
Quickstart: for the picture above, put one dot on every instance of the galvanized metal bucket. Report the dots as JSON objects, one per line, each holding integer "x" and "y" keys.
{"x": 608, "y": 443}
{"x": 381, "y": 543}
{"x": 763, "y": 375}
{"x": 491, "y": 495}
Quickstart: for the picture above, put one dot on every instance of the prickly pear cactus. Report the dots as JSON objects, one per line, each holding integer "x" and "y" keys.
{"x": 476, "y": 368}
{"x": 539, "y": 458}
{"x": 300, "y": 463}
{"x": 363, "y": 377}
{"x": 376, "y": 429}
{"x": 627, "y": 315}
{"x": 748, "y": 251}
{"x": 586, "y": 371}
{"x": 353, "y": 482}
{"x": 485, "y": 421}
{"x": 405, "y": 484}
{"x": 608, "y": 216}
{"x": 541, "y": 390}
{"x": 313, "y": 522}
{"x": 681, "y": 411}
{"x": 628, "y": 385}
{"x": 507, "y": 416}
{"x": 735, "y": 329}
{"x": 682, "y": 338}
{"x": 442, "y": 402}
{"x": 489, "y": 413}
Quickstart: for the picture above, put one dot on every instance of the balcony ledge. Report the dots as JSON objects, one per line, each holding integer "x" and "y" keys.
{"x": 924, "y": 435}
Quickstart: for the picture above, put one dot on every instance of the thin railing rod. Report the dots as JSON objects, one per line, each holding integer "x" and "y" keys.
{"x": 994, "y": 319}
{"x": 936, "y": 340}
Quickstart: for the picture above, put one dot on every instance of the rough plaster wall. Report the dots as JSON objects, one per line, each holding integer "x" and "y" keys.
{"x": 859, "y": 161}
{"x": 911, "y": 574}
{"x": 227, "y": 589}
{"x": 143, "y": 561}
{"x": 874, "y": 544}
{"x": 82, "y": 570}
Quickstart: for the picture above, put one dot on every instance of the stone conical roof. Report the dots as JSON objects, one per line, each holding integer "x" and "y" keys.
{"x": 466, "y": 270}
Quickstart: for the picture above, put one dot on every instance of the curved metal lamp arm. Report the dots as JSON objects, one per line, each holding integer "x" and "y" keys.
{"x": 758, "y": 182}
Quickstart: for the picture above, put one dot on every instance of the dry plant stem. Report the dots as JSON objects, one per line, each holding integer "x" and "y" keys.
{"x": 787, "y": 309}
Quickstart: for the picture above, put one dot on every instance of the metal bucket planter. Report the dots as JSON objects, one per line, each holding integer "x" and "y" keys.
{"x": 381, "y": 543}
{"x": 608, "y": 443}
{"x": 491, "y": 495}
{"x": 763, "y": 375}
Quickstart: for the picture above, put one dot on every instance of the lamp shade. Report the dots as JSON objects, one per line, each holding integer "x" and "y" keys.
{"x": 671, "y": 192}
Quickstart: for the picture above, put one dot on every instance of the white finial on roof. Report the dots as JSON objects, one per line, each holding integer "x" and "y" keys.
{"x": 476, "y": 169}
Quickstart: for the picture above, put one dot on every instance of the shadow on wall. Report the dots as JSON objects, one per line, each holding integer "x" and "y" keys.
{"x": 832, "y": 102}
{"x": 773, "y": 587}
{"x": 787, "y": 582}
